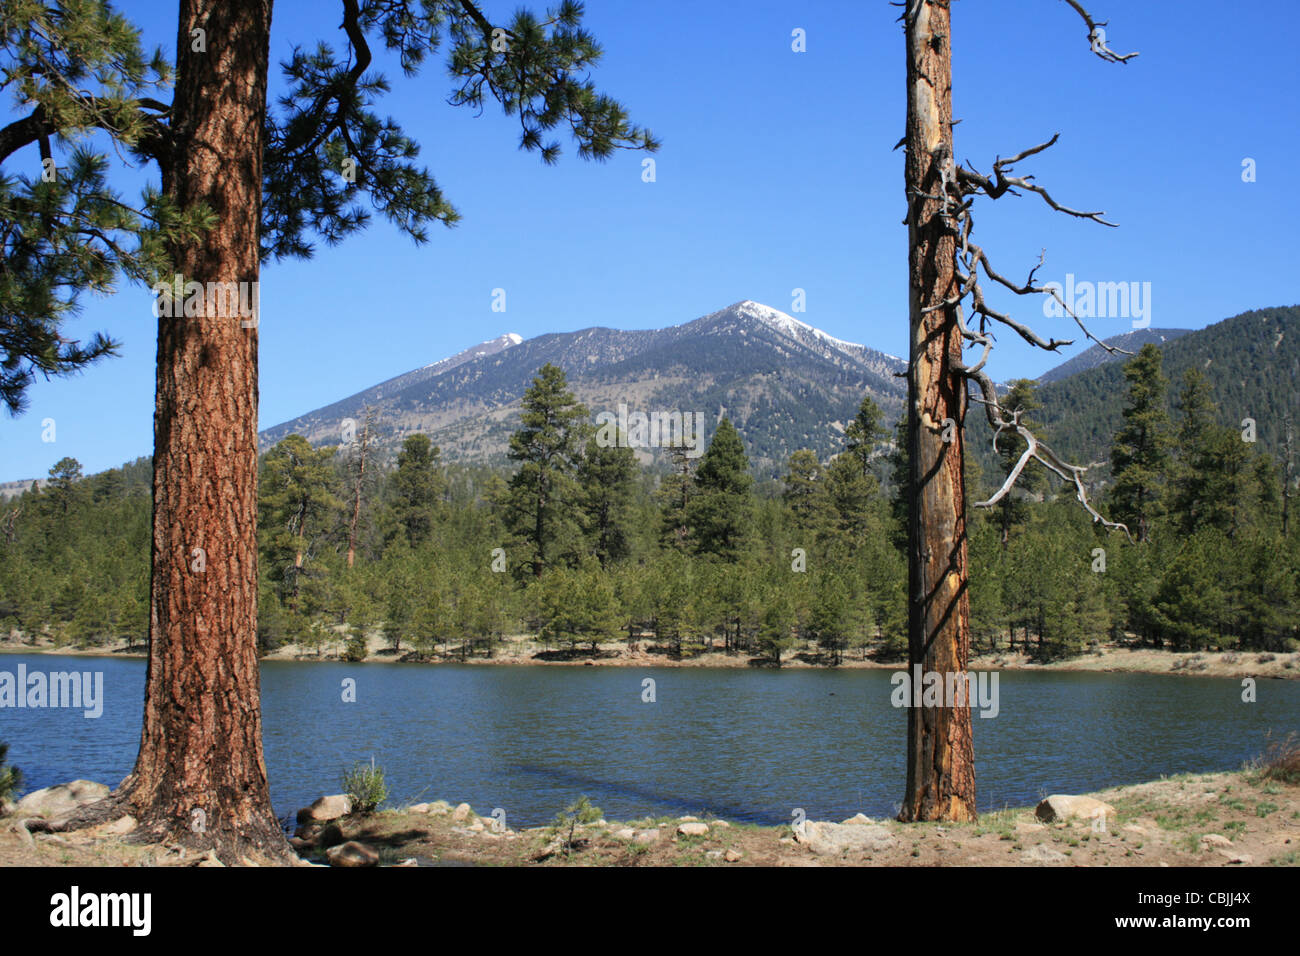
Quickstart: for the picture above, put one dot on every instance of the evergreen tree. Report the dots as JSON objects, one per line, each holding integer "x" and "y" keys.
{"x": 418, "y": 487}
{"x": 1139, "y": 457}
{"x": 719, "y": 514}
{"x": 543, "y": 507}
{"x": 607, "y": 476}
{"x": 297, "y": 503}
{"x": 863, "y": 433}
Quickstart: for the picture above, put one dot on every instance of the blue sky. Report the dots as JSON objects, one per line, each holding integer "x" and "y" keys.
{"x": 776, "y": 172}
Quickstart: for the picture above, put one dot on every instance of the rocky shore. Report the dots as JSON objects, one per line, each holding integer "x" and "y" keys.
{"x": 1215, "y": 820}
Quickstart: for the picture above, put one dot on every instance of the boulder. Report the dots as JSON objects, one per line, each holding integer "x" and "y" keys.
{"x": 832, "y": 839}
{"x": 463, "y": 811}
{"x": 60, "y": 800}
{"x": 857, "y": 819}
{"x": 647, "y": 836}
{"x": 439, "y": 808}
{"x": 693, "y": 828}
{"x": 1060, "y": 806}
{"x": 326, "y": 808}
{"x": 627, "y": 833}
{"x": 1215, "y": 839}
{"x": 352, "y": 853}
{"x": 418, "y": 808}
{"x": 733, "y": 855}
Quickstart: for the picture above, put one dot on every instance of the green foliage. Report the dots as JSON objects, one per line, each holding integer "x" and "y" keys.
{"x": 364, "y": 784}
{"x": 11, "y": 778}
{"x": 568, "y": 820}
{"x": 544, "y": 498}
{"x": 814, "y": 566}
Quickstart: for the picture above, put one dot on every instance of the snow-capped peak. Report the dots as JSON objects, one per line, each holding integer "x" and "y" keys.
{"x": 514, "y": 338}
{"x": 787, "y": 324}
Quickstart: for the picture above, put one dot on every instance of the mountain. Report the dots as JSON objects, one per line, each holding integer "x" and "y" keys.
{"x": 785, "y": 384}
{"x": 1252, "y": 361}
{"x": 1128, "y": 342}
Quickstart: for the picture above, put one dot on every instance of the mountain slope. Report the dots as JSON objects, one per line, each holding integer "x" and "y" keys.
{"x": 1095, "y": 356}
{"x": 786, "y": 385}
{"x": 1251, "y": 359}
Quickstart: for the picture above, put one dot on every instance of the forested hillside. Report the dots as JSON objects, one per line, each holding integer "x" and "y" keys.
{"x": 579, "y": 544}
{"x": 1253, "y": 360}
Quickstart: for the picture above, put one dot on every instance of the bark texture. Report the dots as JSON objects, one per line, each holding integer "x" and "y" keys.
{"x": 200, "y": 778}
{"x": 940, "y": 754}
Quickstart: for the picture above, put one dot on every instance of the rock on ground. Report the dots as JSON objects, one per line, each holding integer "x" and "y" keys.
{"x": 693, "y": 828}
{"x": 832, "y": 839}
{"x": 1061, "y": 806}
{"x": 463, "y": 811}
{"x": 352, "y": 853}
{"x": 59, "y": 800}
{"x": 326, "y": 808}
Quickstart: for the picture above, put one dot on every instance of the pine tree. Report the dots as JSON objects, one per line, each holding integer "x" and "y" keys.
{"x": 1139, "y": 457}
{"x": 863, "y": 433}
{"x": 240, "y": 183}
{"x": 607, "y": 476}
{"x": 719, "y": 514}
{"x": 296, "y": 506}
{"x": 543, "y": 507}
{"x": 418, "y": 488}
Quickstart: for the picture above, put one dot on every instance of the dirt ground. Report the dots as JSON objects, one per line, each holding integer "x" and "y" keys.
{"x": 1223, "y": 819}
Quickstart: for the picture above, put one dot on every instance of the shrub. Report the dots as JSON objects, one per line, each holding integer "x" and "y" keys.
{"x": 11, "y": 778}
{"x": 1281, "y": 760}
{"x": 568, "y": 821}
{"x": 364, "y": 783}
{"x": 354, "y": 649}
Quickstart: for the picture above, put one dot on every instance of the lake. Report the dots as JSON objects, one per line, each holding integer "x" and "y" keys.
{"x": 744, "y": 744}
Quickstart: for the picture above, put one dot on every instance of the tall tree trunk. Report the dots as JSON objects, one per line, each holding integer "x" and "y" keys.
{"x": 940, "y": 755}
{"x": 200, "y": 778}
{"x": 356, "y": 497}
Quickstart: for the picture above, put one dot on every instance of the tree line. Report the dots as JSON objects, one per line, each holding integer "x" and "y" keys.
{"x": 580, "y": 544}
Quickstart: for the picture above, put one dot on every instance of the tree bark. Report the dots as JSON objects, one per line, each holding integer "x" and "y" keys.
{"x": 200, "y": 778}
{"x": 940, "y": 754}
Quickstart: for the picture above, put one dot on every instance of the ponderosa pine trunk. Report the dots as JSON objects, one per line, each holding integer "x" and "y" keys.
{"x": 940, "y": 755}
{"x": 200, "y": 778}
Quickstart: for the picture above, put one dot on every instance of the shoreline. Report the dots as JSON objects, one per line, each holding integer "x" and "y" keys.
{"x": 1222, "y": 819}
{"x": 523, "y": 652}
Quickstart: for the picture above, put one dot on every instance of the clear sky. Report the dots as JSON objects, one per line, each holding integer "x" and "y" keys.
{"x": 776, "y": 172}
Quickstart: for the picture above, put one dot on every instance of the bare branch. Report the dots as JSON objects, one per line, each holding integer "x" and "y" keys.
{"x": 1097, "y": 36}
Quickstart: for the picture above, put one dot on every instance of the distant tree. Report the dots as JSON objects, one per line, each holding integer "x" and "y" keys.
{"x": 62, "y": 490}
{"x": 674, "y": 496}
{"x": 359, "y": 456}
{"x": 417, "y": 487}
{"x": 296, "y": 505}
{"x": 607, "y": 477}
{"x": 805, "y": 491}
{"x": 719, "y": 514}
{"x": 1139, "y": 456}
{"x": 863, "y": 433}
{"x": 543, "y": 506}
